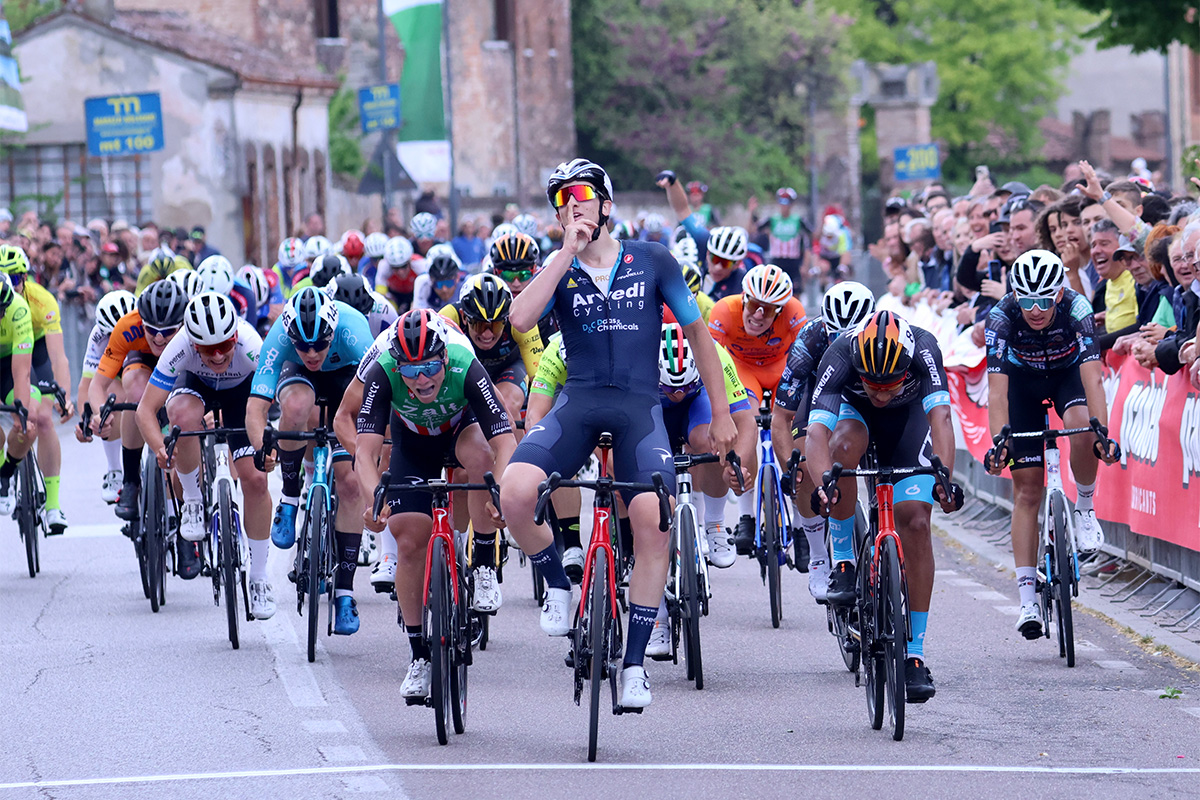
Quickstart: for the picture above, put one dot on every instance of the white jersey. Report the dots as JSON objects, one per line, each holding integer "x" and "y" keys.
{"x": 382, "y": 316}
{"x": 97, "y": 341}
{"x": 181, "y": 356}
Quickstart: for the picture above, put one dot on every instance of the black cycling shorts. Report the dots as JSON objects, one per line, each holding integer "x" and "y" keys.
{"x": 565, "y": 437}
{"x": 41, "y": 372}
{"x": 328, "y": 385}
{"x": 417, "y": 457}
{"x": 1027, "y": 391}
{"x": 685, "y": 416}
{"x": 230, "y": 402}
{"x": 901, "y": 438}
{"x": 514, "y": 373}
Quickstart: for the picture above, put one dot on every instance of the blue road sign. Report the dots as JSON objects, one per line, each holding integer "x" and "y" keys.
{"x": 918, "y": 162}
{"x": 124, "y": 124}
{"x": 379, "y": 107}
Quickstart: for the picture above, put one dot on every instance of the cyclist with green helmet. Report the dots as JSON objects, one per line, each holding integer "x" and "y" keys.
{"x": 16, "y": 358}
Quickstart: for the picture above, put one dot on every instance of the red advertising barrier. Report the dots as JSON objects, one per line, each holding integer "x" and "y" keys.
{"x": 1155, "y": 489}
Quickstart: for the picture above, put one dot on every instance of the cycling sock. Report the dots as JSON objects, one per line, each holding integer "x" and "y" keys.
{"x": 916, "y": 645}
{"x": 51, "y": 491}
{"x": 9, "y": 467}
{"x": 662, "y": 609}
{"x": 190, "y": 482}
{"x": 1027, "y": 584}
{"x": 550, "y": 564}
{"x": 289, "y": 470}
{"x": 814, "y": 531}
{"x": 387, "y": 545}
{"x": 625, "y": 530}
{"x": 569, "y": 528}
{"x": 259, "y": 549}
{"x": 112, "y": 452}
{"x": 348, "y": 543}
{"x": 641, "y": 625}
{"x": 1086, "y": 490}
{"x": 746, "y": 505}
{"x": 483, "y": 552}
{"x": 131, "y": 458}
{"x": 420, "y": 649}
{"x": 841, "y": 536}
{"x": 714, "y": 510}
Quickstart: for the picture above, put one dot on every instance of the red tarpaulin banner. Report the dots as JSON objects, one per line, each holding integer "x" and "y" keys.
{"x": 1155, "y": 488}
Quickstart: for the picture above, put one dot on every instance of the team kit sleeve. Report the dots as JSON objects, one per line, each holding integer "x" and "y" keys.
{"x": 97, "y": 340}
{"x": 530, "y": 344}
{"x": 277, "y": 349}
{"x": 1085, "y": 329}
{"x": 735, "y": 392}
{"x": 673, "y": 286}
{"x": 996, "y": 333}
{"x": 551, "y": 371}
{"x": 720, "y": 320}
{"x": 831, "y": 378}
{"x": 932, "y": 375}
{"x": 172, "y": 363}
{"x": 352, "y": 340}
{"x": 120, "y": 342}
{"x": 485, "y": 402}
{"x": 22, "y": 326}
{"x": 375, "y": 412}
{"x": 48, "y": 309}
{"x": 372, "y": 355}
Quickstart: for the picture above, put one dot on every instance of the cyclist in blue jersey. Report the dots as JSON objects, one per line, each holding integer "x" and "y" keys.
{"x": 608, "y": 297}
{"x": 1042, "y": 346}
{"x": 843, "y": 308}
{"x": 311, "y": 352}
{"x": 887, "y": 378}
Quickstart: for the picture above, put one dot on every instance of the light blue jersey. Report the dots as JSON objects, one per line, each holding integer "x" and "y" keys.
{"x": 350, "y": 341}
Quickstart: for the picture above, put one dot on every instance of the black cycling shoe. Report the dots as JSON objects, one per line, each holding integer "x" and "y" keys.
{"x": 743, "y": 540}
{"x": 127, "y": 504}
{"x": 918, "y": 683}
{"x": 189, "y": 564}
{"x": 801, "y": 544}
{"x": 843, "y": 583}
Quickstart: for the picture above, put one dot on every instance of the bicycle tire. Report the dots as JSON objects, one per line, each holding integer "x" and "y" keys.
{"x": 27, "y": 514}
{"x": 1063, "y": 573}
{"x": 139, "y": 550}
{"x": 460, "y": 654}
{"x": 874, "y": 672}
{"x": 689, "y": 601}
{"x": 599, "y": 628}
{"x": 772, "y": 539}
{"x": 318, "y": 522}
{"x": 437, "y": 609}
{"x": 227, "y": 542}
{"x": 152, "y": 524}
{"x": 893, "y": 617}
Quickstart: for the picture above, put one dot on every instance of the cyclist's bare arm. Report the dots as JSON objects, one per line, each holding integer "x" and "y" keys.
{"x": 256, "y": 420}
{"x": 941, "y": 434}
{"x": 347, "y": 413}
{"x": 677, "y": 197}
{"x": 781, "y": 432}
{"x": 153, "y": 398}
{"x": 1091, "y": 374}
{"x": 539, "y": 406}
{"x": 721, "y": 431}
{"x": 61, "y": 368}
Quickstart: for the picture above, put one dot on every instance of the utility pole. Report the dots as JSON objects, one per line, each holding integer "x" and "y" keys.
{"x": 389, "y": 135}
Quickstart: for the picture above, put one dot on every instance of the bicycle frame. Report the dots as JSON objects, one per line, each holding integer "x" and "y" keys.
{"x": 441, "y": 530}
{"x": 1052, "y": 459}
{"x": 223, "y": 475}
{"x": 767, "y": 460}
{"x": 683, "y": 497}
{"x": 601, "y": 519}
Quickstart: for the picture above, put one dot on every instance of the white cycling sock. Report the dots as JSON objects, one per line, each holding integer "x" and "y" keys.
{"x": 190, "y": 481}
{"x": 112, "y": 452}
{"x": 814, "y": 531}
{"x": 1086, "y": 490}
{"x": 714, "y": 510}
{"x": 746, "y": 504}
{"x": 259, "y": 549}
{"x": 387, "y": 545}
{"x": 662, "y": 610}
{"x": 1027, "y": 584}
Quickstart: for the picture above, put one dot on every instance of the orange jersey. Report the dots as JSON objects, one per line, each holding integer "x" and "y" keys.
{"x": 768, "y": 350}
{"x": 128, "y": 337}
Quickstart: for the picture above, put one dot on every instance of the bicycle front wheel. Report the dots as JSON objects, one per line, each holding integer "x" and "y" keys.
{"x": 772, "y": 538}
{"x": 1061, "y": 580}
{"x": 893, "y": 630}
{"x": 318, "y": 517}
{"x": 689, "y": 601}
{"x": 153, "y": 527}
{"x": 27, "y": 511}
{"x": 460, "y": 653}
{"x": 599, "y": 629}
{"x": 869, "y": 645}
{"x": 228, "y": 556}
{"x": 440, "y": 619}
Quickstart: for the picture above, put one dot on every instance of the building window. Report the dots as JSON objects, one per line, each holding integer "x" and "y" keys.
{"x": 64, "y": 182}
{"x": 326, "y": 18}
{"x": 504, "y": 27}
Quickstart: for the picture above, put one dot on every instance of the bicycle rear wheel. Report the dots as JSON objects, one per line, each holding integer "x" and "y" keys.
{"x": 460, "y": 654}
{"x": 893, "y": 620}
{"x": 599, "y": 627}
{"x": 875, "y": 673}
{"x": 153, "y": 523}
{"x": 318, "y": 515}
{"x": 1062, "y": 578}
{"x": 228, "y": 557}
{"x": 27, "y": 511}
{"x": 772, "y": 538}
{"x": 439, "y": 616}
{"x": 689, "y": 602}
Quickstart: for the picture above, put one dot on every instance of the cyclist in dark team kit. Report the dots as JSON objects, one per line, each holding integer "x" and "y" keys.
{"x": 608, "y": 297}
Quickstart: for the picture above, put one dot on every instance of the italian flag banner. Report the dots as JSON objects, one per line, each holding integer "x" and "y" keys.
{"x": 419, "y": 23}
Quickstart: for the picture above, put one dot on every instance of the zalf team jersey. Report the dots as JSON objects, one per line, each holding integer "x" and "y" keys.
{"x": 350, "y": 341}
{"x": 1013, "y": 346}
{"x": 181, "y": 356}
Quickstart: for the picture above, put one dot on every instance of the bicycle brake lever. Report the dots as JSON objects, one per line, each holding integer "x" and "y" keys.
{"x": 664, "y": 501}
{"x": 493, "y": 489}
{"x": 381, "y": 492}
{"x": 732, "y": 458}
{"x": 545, "y": 489}
{"x": 171, "y": 440}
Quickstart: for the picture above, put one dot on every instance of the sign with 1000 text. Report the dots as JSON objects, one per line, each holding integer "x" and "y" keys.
{"x": 124, "y": 124}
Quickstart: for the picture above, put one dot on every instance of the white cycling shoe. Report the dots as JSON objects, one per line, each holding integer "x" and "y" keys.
{"x": 488, "y": 597}
{"x": 635, "y": 688}
{"x": 384, "y": 574}
{"x": 659, "y": 646}
{"x": 1089, "y": 536}
{"x": 56, "y": 521}
{"x": 418, "y": 681}
{"x": 721, "y": 552}
{"x": 1029, "y": 622}
{"x": 572, "y": 561}
{"x": 110, "y": 487}
{"x": 262, "y": 600}
{"x": 555, "y": 619}
{"x": 191, "y": 521}
{"x": 818, "y": 579}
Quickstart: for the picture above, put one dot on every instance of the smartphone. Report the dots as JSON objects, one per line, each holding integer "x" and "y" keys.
{"x": 982, "y": 172}
{"x": 996, "y": 227}
{"x": 995, "y": 270}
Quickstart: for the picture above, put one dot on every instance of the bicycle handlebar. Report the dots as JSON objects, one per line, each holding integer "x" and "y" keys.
{"x": 110, "y": 407}
{"x": 435, "y": 487}
{"x": 1004, "y": 439}
{"x": 21, "y": 411}
{"x": 733, "y": 458}
{"x": 176, "y": 434}
{"x": 685, "y": 461}
{"x": 602, "y": 487}
{"x": 888, "y": 474}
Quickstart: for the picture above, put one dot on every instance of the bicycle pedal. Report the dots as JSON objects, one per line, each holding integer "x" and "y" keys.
{"x": 381, "y": 588}
{"x": 416, "y": 701}
{"x": 619, "y": 710}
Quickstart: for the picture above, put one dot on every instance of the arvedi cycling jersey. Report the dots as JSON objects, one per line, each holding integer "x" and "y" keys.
{"x": 350, "y": 342}
{"x": 1069, "y": 339}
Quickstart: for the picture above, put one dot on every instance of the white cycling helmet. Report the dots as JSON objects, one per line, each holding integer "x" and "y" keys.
{"x": 112, "y": 307}
{"x": 210, "y": 318}
{"x": 686, "y": 252}
{"x": 375, "y": 244}
{"x": 767, "y": 284}
{"x": 423, "y": 225}
{"x": 579, "y": 169}
{"x": 188, "y": 280}
{"x": 317, "y": 246}
{"x": 291, "y": 252}
{"x": 502, "y": 230}
{"x": 526, "y": 224}
{"x": 655, "y": 223}
{"x": 845, "y": 305}
{"x": 216, "y": 274}
{"x": 1037, "y": 273}
{"x": 256, "y": 279}
{"x": 729, "y": 242}
{"x": 676, "y": 367}
{"x": 398, "y": 252}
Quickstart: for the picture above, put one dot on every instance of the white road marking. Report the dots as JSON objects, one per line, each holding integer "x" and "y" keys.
{"x": 290, "y": 664}
{"x": 98, "y": 531}
{"x": 989, "y": 596}
{"x": 1120, "y": 666}
{"x": 1195, "y": 712}
{"x": 367, "y": 768}
{"x": 324, "y": 726}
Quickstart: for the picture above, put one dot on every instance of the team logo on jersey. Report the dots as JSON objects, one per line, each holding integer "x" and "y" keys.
{"x": 773, "y": 341}
{"x": 571, "y": 284}
{"x": 628, "y": 258}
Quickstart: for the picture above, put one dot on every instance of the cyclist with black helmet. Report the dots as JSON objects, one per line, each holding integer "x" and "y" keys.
{"x": 1041, "y": 346}
{"x": 843, "y": 307}
{"x": 324, "y": 270}
{"x": 885, "y": 381}
{"x": 442, "y": 280}
{"x": 50, "y": 366}
{"x": 211, "y": 367}
{"x": 109, "y": 311}
{"x": 356, "y": 292}
{"x": 311, "y": 353}
{"x": 16, "y": 359}
{"x": 437, "y": 399}
{"x": 608, "y": 296}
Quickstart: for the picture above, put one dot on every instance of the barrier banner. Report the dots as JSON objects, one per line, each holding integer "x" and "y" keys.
{"x": 1155, "y": 488}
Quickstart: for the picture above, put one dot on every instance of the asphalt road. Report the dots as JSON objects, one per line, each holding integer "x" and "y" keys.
{"x": 101, "y": 698}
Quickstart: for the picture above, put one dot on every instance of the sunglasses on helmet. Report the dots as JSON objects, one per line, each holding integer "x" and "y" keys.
{"x": 1030, "y": 303}
{"x": 218, "y": 349}
{"x": 582, "y": 192}
{"x": 427, "y": 368}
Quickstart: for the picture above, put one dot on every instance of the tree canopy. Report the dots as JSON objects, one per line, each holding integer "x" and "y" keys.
{"x": 1144, "y": 24}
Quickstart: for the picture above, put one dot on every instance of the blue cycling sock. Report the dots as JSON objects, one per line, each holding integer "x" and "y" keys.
{"x": 549, "y": 562}
{"x": 916, "y": 645}
{"x": 841, "y": 536}
{"x": 641, "y": 625}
